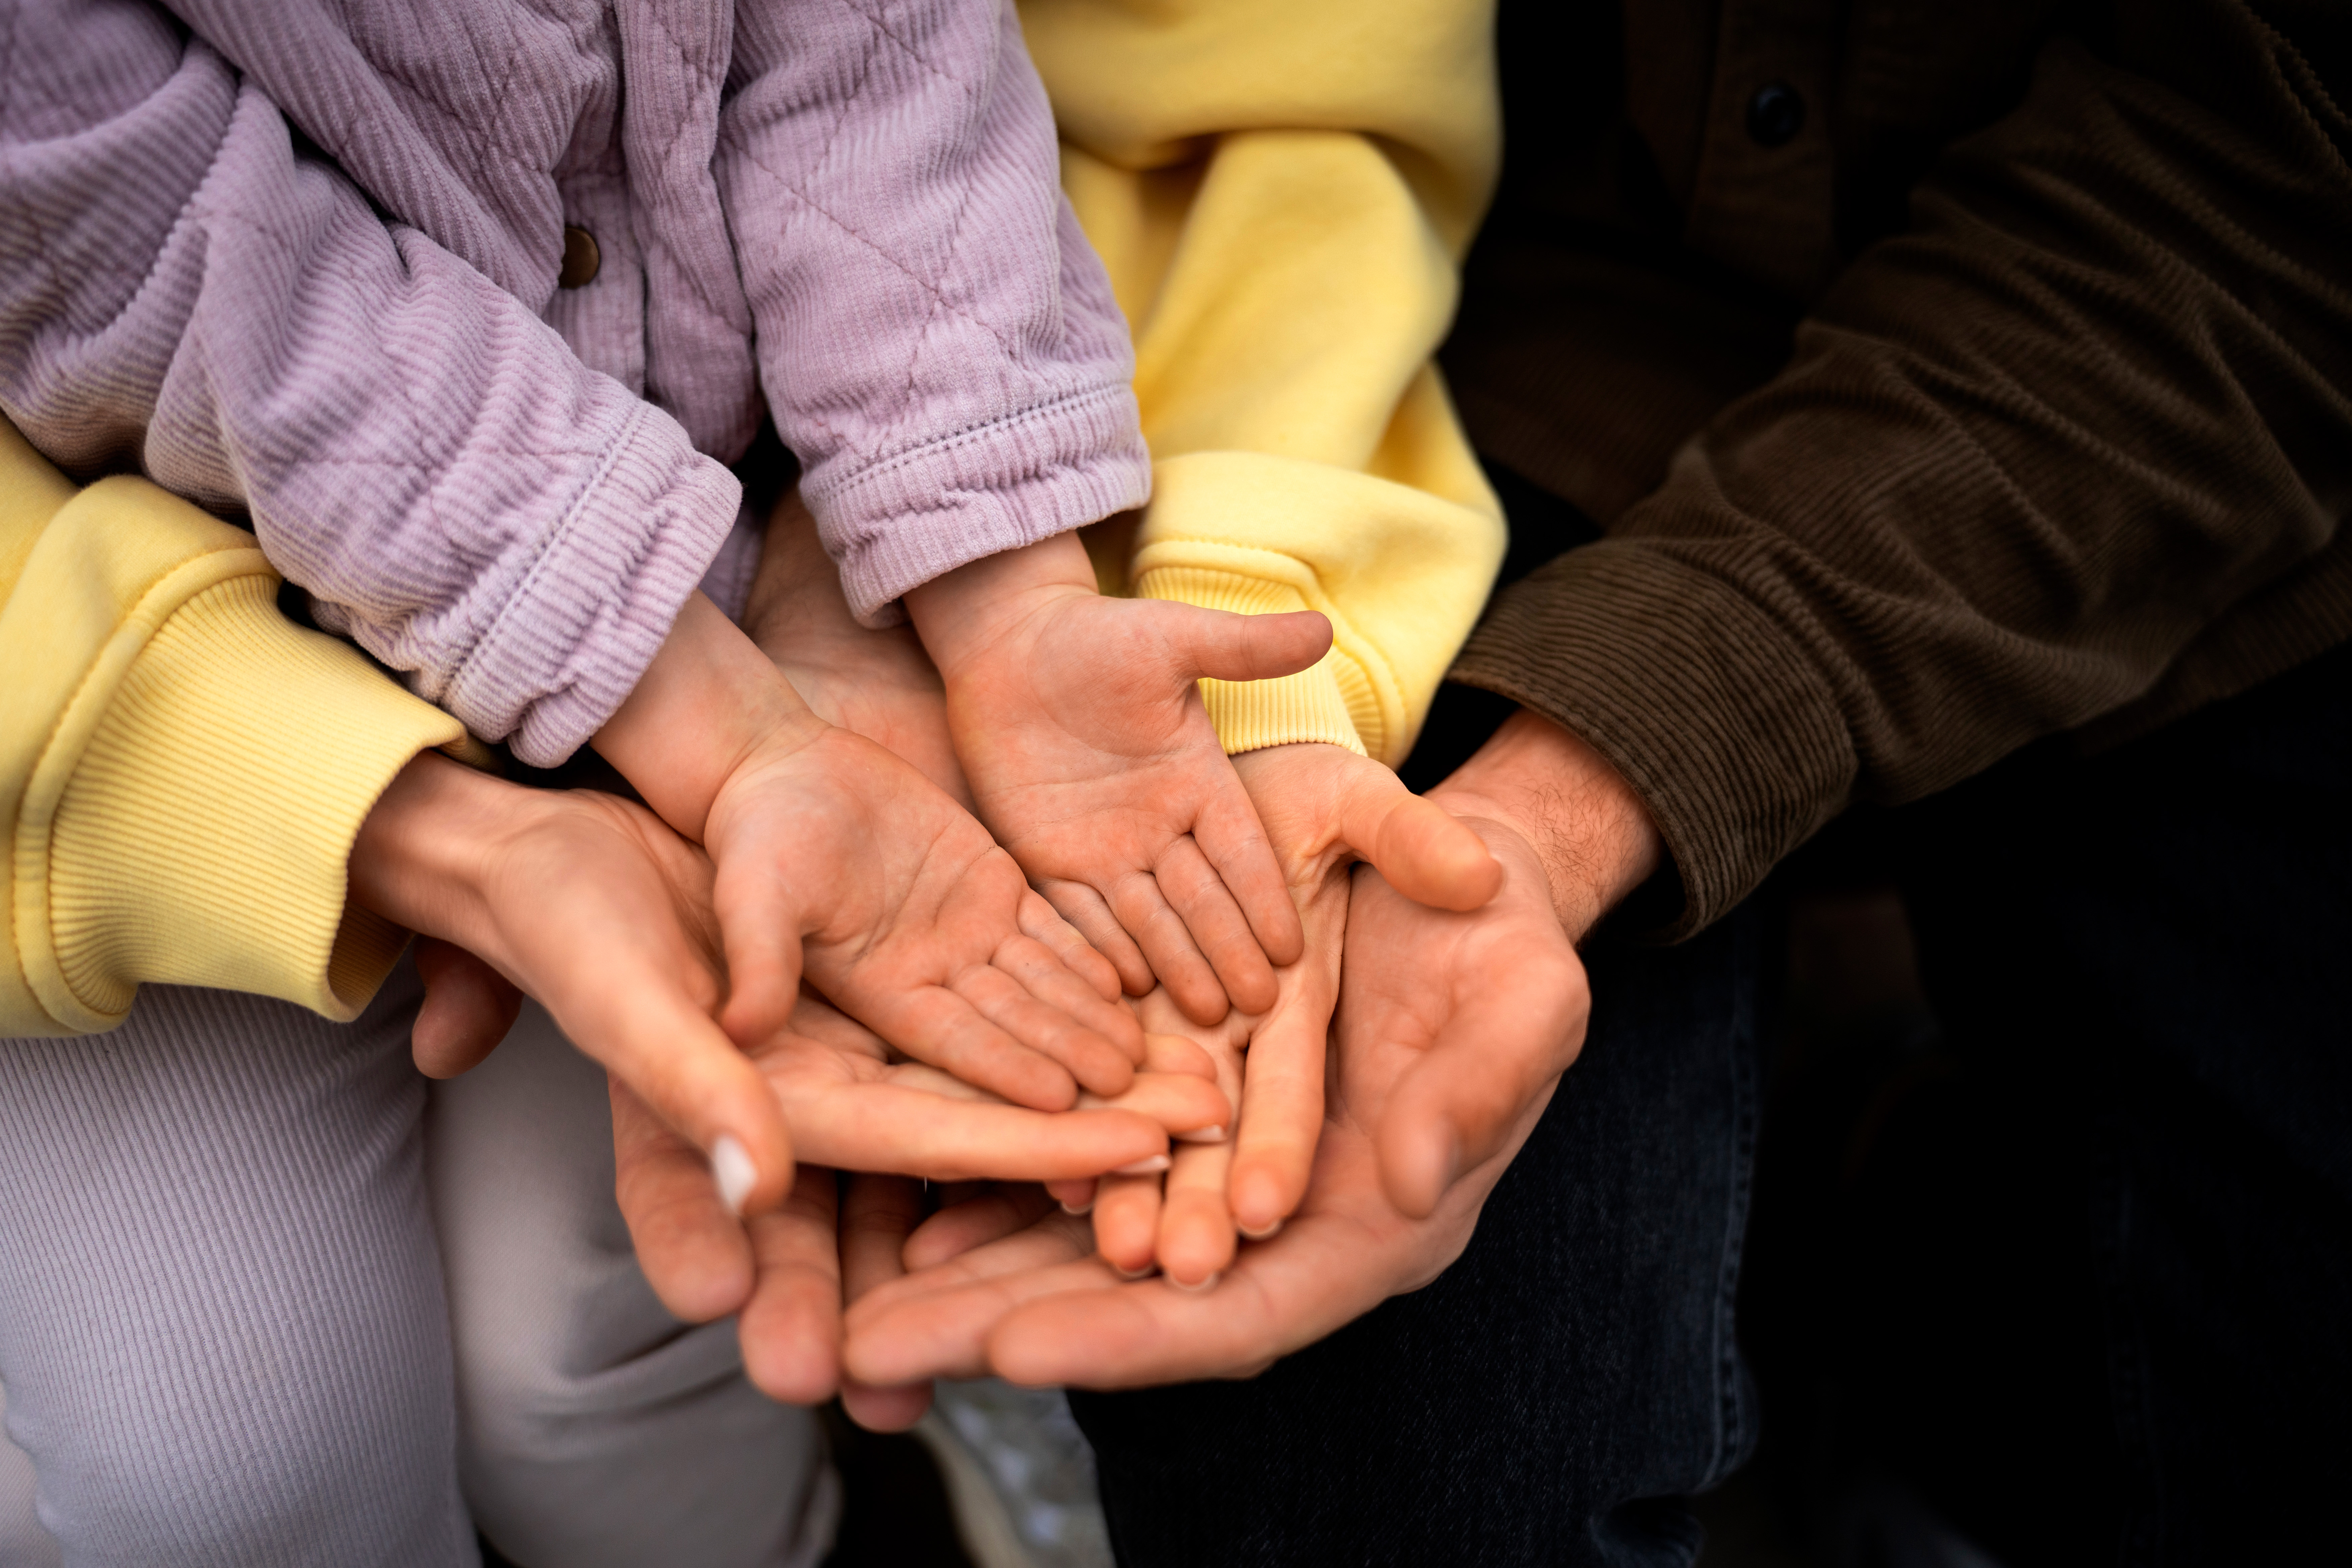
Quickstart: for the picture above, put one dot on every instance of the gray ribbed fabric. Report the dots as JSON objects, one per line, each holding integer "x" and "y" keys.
{"x": 222, "y": 1329}
{"x": 23, "y": 1543}
{"x": 596, "y": 1430}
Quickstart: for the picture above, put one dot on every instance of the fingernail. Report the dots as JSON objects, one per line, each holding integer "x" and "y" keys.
{"x": 1151, "y": 1166}
{"x": 1260, "y": 1235}
{"x": 1204, "y": 1135}
{"x": 1143, "y": 1273}
{"x": 1083, "y": 1208}
{"x": 1204, "y": 1285}
{"x": 732, "y": 1169}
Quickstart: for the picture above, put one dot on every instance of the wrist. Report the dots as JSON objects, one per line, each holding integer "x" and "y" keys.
{"x": 421, "y": 858}
{"x": 709, "y": 700}
{"x": 960, "y": 613}
{"x": 1591, "y": 831}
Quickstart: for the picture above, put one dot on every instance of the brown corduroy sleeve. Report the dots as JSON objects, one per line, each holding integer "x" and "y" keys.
{"x": 2086, "y": 424}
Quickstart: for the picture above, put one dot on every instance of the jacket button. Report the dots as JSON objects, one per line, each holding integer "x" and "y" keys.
{"x": 1775, "y": 114}
{"x": 581, "y": 259}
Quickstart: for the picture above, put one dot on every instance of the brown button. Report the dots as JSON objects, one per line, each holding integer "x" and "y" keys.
{"x": 580, "y": 258}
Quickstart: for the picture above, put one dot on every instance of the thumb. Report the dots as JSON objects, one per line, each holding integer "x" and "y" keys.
{"x": 1223, "y": 645}
{"x": 759, "y": 931}
{"x": 1423, "y": 850}
{"x": 468, "y": 1008}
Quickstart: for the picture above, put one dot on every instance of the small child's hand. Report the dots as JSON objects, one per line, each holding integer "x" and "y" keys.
{"x": 1081, "y": 729}
{"x": 831, "y": 852}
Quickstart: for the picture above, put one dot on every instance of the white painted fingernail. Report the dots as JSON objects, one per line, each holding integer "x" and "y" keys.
{"x": 1151, "y": 1166}
{"x": 1083, "y": 1208}
{"x": 1260, "y": 1235}
{"x": 1204, "y": 1135}
{"x": 1143, "y": 1273}
{"x": 1204, "y": 1285}
{"x": 732, "y": 1169}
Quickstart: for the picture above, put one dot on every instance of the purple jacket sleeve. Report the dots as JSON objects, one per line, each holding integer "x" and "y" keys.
{"x": 937, "y": 340}
{"x": 183, "y": 291}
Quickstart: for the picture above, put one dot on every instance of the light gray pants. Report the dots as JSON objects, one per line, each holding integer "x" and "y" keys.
{"x": 225, "y": 1339}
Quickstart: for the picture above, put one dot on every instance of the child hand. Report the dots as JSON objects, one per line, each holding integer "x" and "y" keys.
{"x": 876, "y": 683}
{"x": 1080, "y": 727}
{"x": 829, "y": 851}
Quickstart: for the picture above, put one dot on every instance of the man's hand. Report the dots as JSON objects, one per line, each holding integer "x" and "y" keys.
{"x": 1451, "y": 1031}
{"x": 1079, "y": 724}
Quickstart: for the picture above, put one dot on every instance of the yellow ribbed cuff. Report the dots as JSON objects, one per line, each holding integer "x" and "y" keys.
{"x": 202, "y": 839}
{"x": 1250, "y": 715}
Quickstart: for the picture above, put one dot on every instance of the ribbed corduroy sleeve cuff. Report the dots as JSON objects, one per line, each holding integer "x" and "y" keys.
{"x": 570, "y": 646}
{"x": 1732, "y": 739}
{"x": 1252, "y": 714}
{"x": 895, "y": 524}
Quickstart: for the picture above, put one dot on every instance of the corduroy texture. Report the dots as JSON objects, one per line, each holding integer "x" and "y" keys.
{"x": 154, "y": 828}
{"x": 221, "y": 1314}
{"x": 1281, "y": 195}
{"x": 506, "y": 489}
{"x": 2070, "y": 452}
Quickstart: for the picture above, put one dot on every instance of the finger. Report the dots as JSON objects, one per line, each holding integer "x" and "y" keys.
{"x": 1216, "y": 924}
{"x": 1144, "y": 910}
{"x": 1075, "y": 1197}
{"x": 933, "y": 1024}
{"x": 694, "y": 1254}
{"x": 995, "y": 1213}
{"x": 1491, "y": 1071}
{"x": 940, "y": 1328}
{"x": 1174, "y": 1053}
{"x": 1192, "y": 1109}
{"x": 1043, "y": 976}
{"x": 1282, "y": 1085}
{"x": 1222, "y": 646}
{"x": 1235, "y": 841}
{"x": 1091, "y": 916}
{"x": 760, "y": 930}
{"x": 1097, "y": 1063}
{"x": 1418, "y": 848}
{"x": 1196, "y": 1240}
{"x": 902, "y": 1127}
{"x": 644, "y": 1029}
{"x": 790, "y": 1328}
{"x": 877, "y": 1215}
{"x": 468, "y": 1008}
{"x": 1127, "y": 1221}
{"x": 1041, "y": 923}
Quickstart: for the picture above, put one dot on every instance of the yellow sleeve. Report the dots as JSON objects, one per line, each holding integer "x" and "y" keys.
{"x": 182, "y": 771}
{"x": 1282, "y": 195}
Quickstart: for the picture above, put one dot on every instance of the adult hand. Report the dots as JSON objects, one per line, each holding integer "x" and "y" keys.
{"x": 1453, "y": 1030}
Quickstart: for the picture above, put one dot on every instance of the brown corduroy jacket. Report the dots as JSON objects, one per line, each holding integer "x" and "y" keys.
{"x": 1943, "y": 377}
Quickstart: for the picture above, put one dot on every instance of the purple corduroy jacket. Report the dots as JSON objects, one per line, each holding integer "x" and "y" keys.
{"x": 301, "y": 258}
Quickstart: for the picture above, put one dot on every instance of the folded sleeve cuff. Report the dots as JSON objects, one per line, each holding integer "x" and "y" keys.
{"x": 570, "y": 646}
{"x": 1734, "y": 741}
{"x": 201, "y": 836}
{"x": 895, "y": 524}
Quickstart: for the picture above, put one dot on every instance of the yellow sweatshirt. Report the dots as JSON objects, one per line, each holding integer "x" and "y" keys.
{"x": 1283, "y": 192}
{"x": 182, "y": 771}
